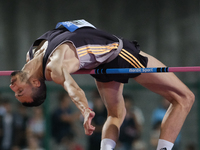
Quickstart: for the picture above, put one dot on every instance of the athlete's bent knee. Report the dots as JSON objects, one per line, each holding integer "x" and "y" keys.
{"x": 188, "y": 101}
{"x": 118, "y": 116}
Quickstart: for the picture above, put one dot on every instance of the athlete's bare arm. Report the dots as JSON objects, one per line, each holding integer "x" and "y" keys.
{"x": 63, "y": 62}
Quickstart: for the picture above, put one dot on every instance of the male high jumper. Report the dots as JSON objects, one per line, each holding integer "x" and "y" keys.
{"x": 76, "y": 45}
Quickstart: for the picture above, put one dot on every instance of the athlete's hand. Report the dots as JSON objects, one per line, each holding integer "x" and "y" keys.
{"x": 88, "y": 116}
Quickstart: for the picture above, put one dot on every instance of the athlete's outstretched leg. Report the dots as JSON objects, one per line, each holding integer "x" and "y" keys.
{"x": 111, "y": 94}
{"x": 170, "y": 87}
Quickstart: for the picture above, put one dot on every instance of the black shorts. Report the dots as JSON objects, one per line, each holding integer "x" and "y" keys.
{"x": 129, "y": 57}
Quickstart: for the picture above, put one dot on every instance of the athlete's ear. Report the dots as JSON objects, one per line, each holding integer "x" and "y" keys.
{"x": 35, "y": 82}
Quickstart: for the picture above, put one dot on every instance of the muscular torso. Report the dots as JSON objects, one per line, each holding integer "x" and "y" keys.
{"x": 64, "y": 55}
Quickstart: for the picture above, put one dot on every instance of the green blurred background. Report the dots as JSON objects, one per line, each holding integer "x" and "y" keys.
{"x": 166, "y": 29}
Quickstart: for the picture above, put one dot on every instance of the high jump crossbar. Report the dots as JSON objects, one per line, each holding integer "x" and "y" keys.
{"x": 129, "y": 70}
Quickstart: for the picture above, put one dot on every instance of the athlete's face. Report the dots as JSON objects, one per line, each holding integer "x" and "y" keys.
{"x": 21, "y": 86}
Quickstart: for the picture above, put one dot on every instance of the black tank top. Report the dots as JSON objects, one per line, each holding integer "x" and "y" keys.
{"x": 79, "y": 38}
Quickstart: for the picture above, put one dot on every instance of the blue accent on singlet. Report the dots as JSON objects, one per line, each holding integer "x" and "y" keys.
{"x": 74, "y": 25}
